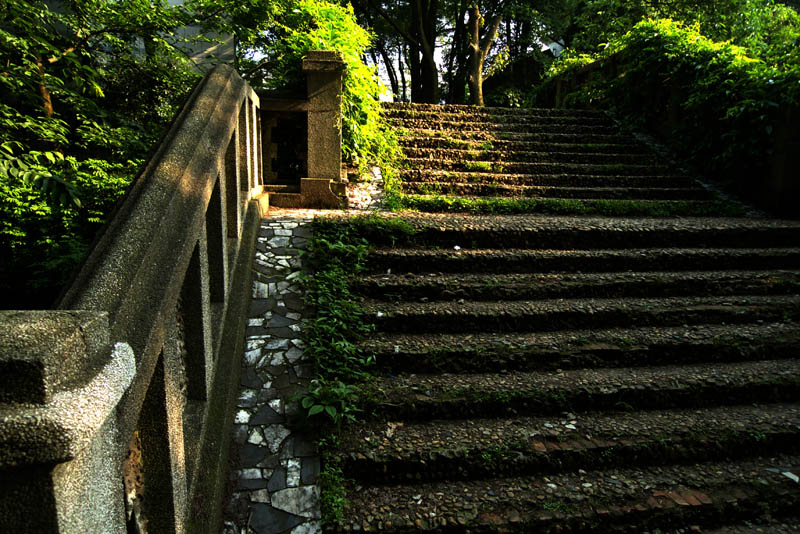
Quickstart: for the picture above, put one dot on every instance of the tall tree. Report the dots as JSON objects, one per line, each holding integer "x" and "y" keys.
{"x": 479, "y": 49}
{"x": 416, "y": 23}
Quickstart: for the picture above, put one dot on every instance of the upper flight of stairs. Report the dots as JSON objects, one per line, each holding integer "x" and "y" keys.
{"x": 573, "y": 373}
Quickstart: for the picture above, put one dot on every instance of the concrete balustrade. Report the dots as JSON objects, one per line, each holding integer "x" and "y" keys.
{"x": 115, "y": 408}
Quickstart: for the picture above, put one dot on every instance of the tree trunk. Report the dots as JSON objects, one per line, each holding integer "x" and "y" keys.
{"x": 458, "y": 56}
{"x": 475, "y": 79}
{"x": 424, "y": 16}
{"x": 479, "y": 49}
{"x": 44, "y": 92}
{"x": 401, "y": 51}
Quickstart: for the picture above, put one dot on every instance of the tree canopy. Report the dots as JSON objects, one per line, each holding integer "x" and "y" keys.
{"x": 88, "y": 86}
{"x": 442, "y": 50}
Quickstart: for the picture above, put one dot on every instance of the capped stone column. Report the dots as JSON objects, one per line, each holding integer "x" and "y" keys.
{"x": 324, "y": 70}
{"x": 60, "y": 450}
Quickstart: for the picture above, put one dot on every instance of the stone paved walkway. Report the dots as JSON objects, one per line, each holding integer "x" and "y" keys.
{"x": 273, "y": 468}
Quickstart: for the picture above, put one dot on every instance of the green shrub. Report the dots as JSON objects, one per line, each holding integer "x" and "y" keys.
{"x": 320, "y": 25}
{"x": 729, "y": 102}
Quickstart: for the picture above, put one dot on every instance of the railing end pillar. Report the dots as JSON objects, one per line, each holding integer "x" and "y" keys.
{"x": 59, "y": 449}
{"x": 324, "y": 70}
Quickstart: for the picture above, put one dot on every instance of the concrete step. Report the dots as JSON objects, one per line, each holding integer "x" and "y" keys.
{"x": 546, "y": 167}
{"x": 570, "y": 232}
{"x": 621, "y": 146}
{"x": 537, "y": 191}
{"x": 570, "y": 313}
{"x": 780, "y": 525}
{"x": 429, "y": 397}
{"x": 411, "y": 120}
{"x": 437, "y": 286}
{"x": 616, "y": 207}
{"x": 454, "y": 155}
{"x": 398, "y": 109}
{"x": 646, "y": 499}
{"x": 543, "y": 125}
{"x": 481, "y": 352}
{"x": 459, "y": 449}
{"x": 538, "y": 136}
{"x": 514, "y": 260}
{"x": 558, "y": 179}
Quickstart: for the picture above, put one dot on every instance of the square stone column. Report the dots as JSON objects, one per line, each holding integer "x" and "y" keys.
{"x": 324, "y": 70}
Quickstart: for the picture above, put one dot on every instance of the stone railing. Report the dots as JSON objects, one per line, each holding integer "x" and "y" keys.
{"x": 114, "y": 408}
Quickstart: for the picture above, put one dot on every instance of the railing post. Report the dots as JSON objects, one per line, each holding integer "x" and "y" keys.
{"x": 60, "y": 448}
{"x": 324, "y": 69}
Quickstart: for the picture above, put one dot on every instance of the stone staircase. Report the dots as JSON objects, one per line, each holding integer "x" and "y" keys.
{"x": 574, "y": 373}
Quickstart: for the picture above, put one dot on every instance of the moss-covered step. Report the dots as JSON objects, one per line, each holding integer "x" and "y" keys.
{"x": 383, "y": 452}
{"x": 621, "y": 146}
{"x": 569, "y": 232}
{"x": 537, "y": 191}
{"x": 520, "y": 156}
{"x": 417, "y": 397}
{"x": 526, "y": 286}
{"x": 453, "y": 120}
{"x": 563, "y": 313}
{"x": 613, "y": 500}
{"x": 547, "y": 180}
{"x": 537, "y": 136}
{"x": 404, "y": 108}
{"x": 483, "y": 352}
{"x": 544, "y": 167}
{"x": 449, "y": 259}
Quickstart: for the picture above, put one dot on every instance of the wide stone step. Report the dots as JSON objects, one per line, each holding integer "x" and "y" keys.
{"x": 524, "y": 286}
{"x": 404, "y": 108}
{"x": 573, "y": 206}
{"x": 780, "y": 525}
{"x": 539, "y": 136}
{"x": 426, "y": 397}
{"x": 570, "y": 232}
{"x": 536, "y": 191}
{"x": 621, "y": 146}
{"x": 545, "y": 315}
{"x": 559, "y": 179}
{"x": 546, "y": 167}
{"x": 481, "y": 352}
{"x": 382, "y": 452}
{"x": 450, "y": 260}
{"x": 543, "y": 125}
{"x": 614, "y": 500}
{"x": 412, "y": 120}
{"x": 545, "y": 156}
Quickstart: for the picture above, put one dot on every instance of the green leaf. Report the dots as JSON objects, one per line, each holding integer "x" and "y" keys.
{"x": 317, "y": 408}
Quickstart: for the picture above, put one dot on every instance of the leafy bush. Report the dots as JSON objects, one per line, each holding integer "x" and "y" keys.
{"x": 729, "y": 102}
{"x": 85, "y": 91}
{"x": 320, "y": 25}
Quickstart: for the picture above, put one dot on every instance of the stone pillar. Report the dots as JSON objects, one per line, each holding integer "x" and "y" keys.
{"x": 324, "y": 70}
{"x": 60, "y": 449}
